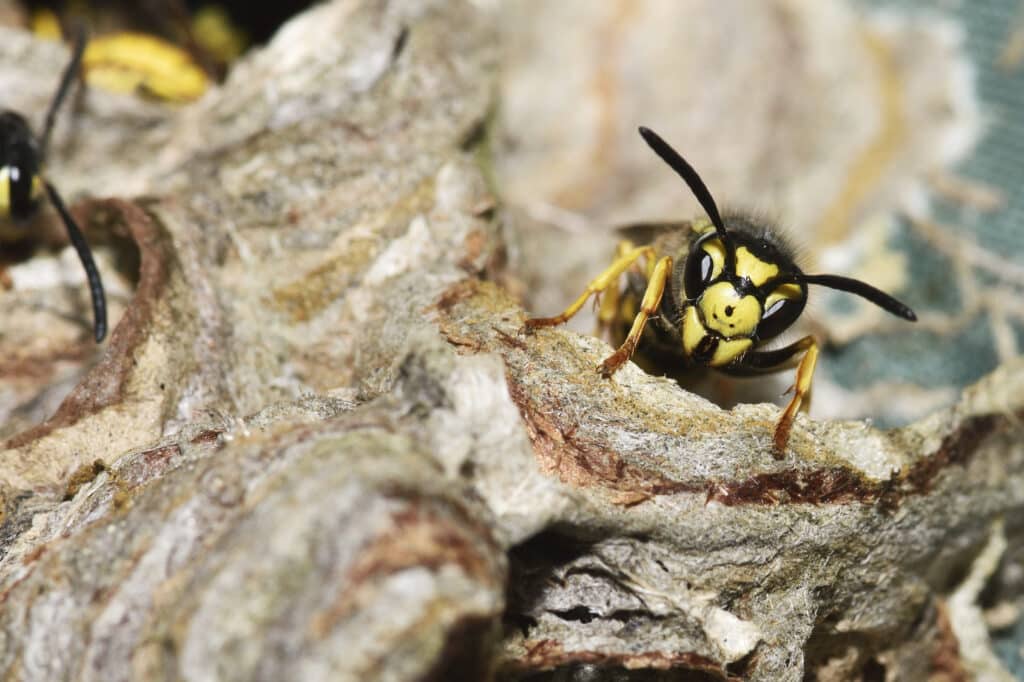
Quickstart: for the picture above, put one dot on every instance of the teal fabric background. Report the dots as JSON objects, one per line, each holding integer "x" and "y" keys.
{"x": 963, "y": 353}
{"x": 961, "y": 356}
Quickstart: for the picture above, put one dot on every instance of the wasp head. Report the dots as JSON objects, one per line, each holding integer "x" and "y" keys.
{"x": 20, "y": 186}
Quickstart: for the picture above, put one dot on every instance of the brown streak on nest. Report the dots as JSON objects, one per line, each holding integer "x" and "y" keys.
{"x": 464, "y": 343}
{"x": 105, "y": 383}
{"x": 474, "y": 245}
{"x": 547, "y": 654}
{"x": 146, "y": 465}
{"x": 956, "y": 448}
{"x": 41, "y": 367}
{"x": 838, "y": 485}
{"x": 457, "y": 293}
{"x": 419, "y": 537}
{"x": 143, "y": 467}
{"x": 422, "y": 538}
{"x": 453, "y": 507}
{"x": 206, "y": 437}
{"x": 34, "y": 555}
{"x": 581, "y": 464}
{"x": 834, "y": 485}
{"x": 510, "y": 340}
{"x": 449, "y": 298}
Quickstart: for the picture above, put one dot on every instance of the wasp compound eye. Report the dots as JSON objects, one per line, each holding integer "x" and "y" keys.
{"x": 21, "y": 191}
{"x": 778, "y": 317}
{"x": 698, "y": 273}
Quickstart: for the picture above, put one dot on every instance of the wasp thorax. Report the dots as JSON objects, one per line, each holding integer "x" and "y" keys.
{"x": 725, "y": 311}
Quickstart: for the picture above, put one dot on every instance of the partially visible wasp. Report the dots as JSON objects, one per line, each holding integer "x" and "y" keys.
{"x": 22, "y": 183}
{"x": 713, "y": 293}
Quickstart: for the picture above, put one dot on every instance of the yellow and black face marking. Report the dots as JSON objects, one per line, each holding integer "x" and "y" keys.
{"x": 22, "y": 185}
{"x": 733, "y": 288}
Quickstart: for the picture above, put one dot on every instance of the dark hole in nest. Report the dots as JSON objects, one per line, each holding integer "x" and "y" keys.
{"x": 531, "y": 565}
{"x": 259, "y": 20}
{"x": 172, "y": 19}
{"x": 873, "y": 671}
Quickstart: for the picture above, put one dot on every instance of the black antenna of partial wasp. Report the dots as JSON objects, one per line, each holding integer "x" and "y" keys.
{"x": 700, "y": 190}
{"x": 99, "y": 302}
{"x": 70, "y": 71}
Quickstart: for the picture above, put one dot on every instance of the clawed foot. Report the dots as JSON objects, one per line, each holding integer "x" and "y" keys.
{"x": 535, "y": 323}
{"x": 612, "y": 364}
{"x": 780, "y": 441}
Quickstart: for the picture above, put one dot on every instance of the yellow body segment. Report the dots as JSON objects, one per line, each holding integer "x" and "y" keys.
{"x": 702, "y": 225}
{"x": 693, "y": 331}
{"x": 5, "y": 192}
{"x": 609, "y": 311}
{"x": 728, "y": 313}
{"x": 134, "y": 62}
{"x": 45, "y": 24}
{"x": 714, "y": 248}
{"x": 750, "y": 266}
{"x": 729, "y": 350}
{"x": 787, "y": 292}
{"x": 219, "y": 37}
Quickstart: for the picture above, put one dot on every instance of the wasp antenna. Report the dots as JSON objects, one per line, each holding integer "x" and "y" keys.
{"x": 689, "y": 175}
{"x": 99, "y": 301}
{"x": 864, "y": 290}
{"x": 70, "y": 71}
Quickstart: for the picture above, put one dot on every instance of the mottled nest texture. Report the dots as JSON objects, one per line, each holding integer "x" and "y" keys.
{"x": 317, "y": 445}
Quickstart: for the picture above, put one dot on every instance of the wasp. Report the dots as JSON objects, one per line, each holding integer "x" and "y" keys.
{"x": 712, "y": 293}
{"x": 23, "y": 184}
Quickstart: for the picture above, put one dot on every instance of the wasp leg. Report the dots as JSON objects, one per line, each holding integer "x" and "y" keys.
{"x": 801, "y": 389}
{"x": 603, "y": 281}
{"x": 610, "y": 297}
{"x": 608, "y": 311}
{"x": 763, "y": 362}
{"x": 649, "y": 306}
